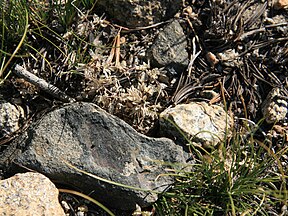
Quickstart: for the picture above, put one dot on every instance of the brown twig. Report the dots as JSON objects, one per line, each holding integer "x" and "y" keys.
{"x": 115, "y": 51}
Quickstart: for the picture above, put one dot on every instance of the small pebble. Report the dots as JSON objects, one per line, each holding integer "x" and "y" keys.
{"x": 281, "y": 4}
{"x": 211, "y": 58}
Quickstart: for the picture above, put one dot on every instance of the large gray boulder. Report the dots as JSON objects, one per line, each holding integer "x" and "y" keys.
{"x": 136, "y": 13}
{"x": 87, "y": 137}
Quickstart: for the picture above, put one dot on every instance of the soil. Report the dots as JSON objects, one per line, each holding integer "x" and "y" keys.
{"x": 244, "y": 54}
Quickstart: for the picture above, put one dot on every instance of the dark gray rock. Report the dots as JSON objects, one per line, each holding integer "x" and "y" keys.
{"x": 169, "y": 48}
{"x": 101, "y": 144}
{"x": 135, "y": 13}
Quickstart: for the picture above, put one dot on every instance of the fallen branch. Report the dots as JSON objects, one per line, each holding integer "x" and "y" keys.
{"x": 42, "y": 84}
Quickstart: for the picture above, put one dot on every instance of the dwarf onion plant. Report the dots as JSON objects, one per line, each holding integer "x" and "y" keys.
{"x": 243, "y": 176}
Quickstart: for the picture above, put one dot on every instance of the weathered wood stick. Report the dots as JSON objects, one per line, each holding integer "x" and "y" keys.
{"x": 42, "y": 84}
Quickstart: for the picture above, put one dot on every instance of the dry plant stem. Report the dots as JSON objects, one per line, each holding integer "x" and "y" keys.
{"x": 87, "y": 198}
{"x": 125, "y": 29}
{"x": 117, "y": 50}
{"x": 255, "y": 31}
{"x": 42, "y": 84}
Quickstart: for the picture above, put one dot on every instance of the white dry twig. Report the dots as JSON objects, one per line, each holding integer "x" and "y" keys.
{"x": 42, "y": 84}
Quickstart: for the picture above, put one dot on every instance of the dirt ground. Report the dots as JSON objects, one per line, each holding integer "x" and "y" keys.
{"x": 244, "y": 55}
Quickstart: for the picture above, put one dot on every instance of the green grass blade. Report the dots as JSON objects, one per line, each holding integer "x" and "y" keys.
{"x": 87, "y": 198}
{"x": 19, "y": 44}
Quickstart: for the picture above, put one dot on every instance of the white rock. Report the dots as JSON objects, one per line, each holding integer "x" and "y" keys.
{"x": 29, "y": 194}
{"x": 229, "y": 58}
{"x": 205, "y": 124}
{"x": 11, "y": 116}
{"x": 274, "y": 109}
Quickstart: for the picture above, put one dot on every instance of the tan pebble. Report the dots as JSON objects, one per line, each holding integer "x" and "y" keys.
{"x": 278, "y": 128}
{"x": 188, "y": 10}
{"x": 211, "y": 58}
{"x": 281, "y": 4}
